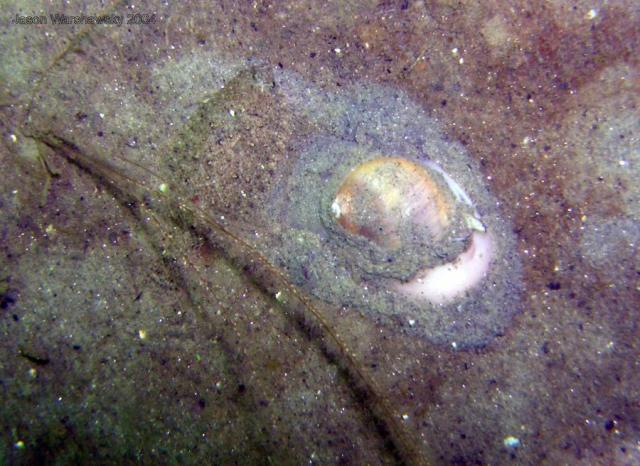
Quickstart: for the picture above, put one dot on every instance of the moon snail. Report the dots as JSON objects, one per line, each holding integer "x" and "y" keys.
{"x": 381, "y": 197}
{"x": 383, "y": 214}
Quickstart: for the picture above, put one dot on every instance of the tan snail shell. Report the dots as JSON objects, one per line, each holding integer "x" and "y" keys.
{"x": 381, "y": 196}
{"x": 386, "y": 198}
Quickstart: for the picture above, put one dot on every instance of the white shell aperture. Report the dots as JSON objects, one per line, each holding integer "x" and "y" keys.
{"x": 446, "y": 282}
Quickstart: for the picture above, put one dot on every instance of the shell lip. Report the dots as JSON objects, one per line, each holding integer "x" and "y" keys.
{"x": 446, "y": 282}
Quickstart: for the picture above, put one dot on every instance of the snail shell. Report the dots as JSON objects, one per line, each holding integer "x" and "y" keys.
{"x": 403, "y": 208}
{"x": 381, "y": 198}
